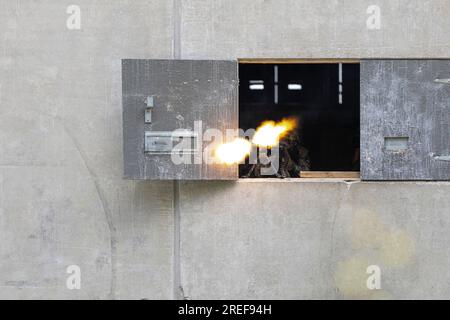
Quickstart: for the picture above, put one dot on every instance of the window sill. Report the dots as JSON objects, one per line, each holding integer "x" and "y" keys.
{"x": 296, "y": 180}
{"x": 330, "y": 174}
{"x": 314, "y": 176}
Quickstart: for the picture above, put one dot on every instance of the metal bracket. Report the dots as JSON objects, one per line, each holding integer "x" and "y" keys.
{"x": 148, "y": 110}
{"x": 444, "y": 80}
{"x": 168, "y": 142}
{"x": 441, "y": 157}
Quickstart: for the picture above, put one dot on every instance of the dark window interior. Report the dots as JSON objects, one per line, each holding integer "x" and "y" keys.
{"x": 323, "y": 97}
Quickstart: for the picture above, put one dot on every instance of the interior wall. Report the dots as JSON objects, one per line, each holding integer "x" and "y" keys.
{"x": 63, "y": 200}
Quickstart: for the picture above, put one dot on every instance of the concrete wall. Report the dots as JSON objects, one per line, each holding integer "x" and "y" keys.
{"x": 314, "y": 240}
{"x": 63, "y": 201}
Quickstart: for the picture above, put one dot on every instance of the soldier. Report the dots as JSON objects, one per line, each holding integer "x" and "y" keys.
{"x": 293, "y": 158}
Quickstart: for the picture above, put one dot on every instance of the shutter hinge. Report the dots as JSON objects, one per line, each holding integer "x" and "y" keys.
{"x": 444, "y": 80}
{"x": 440, "y": 157}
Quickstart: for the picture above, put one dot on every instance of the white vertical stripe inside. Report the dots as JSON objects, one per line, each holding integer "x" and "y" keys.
{"x": 275, "y": 80}
{"x": 275, "y": 94}
{"x": 275, "y": 74}
{"x": 340, "y": 84}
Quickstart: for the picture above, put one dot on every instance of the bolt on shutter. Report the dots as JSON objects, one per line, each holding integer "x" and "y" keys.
{"x": 405, "y": 119}
{"x": 160, "y": 96}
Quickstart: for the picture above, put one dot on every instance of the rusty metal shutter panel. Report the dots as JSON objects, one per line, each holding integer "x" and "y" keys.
{"x": 405, "y": 119}
{"x": 160, "y": 96}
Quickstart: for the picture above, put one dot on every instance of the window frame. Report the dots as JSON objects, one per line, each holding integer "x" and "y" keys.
{"x": 343, "y": 175}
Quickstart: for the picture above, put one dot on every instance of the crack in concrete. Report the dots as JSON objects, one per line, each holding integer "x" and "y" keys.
{"x": 106, "y": 211}
{"x": 349, "y": 183}
{"x": 184, "y": 297}
{"x": 178, "y": 291}
{"x": 102, "y": 198}
{"x": 342, "y": 202}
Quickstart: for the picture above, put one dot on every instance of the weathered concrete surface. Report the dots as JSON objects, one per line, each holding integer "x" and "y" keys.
{"x": 400, "y": 98}
{"x": 314, "y": 240}
{"x": 62, "y": 197}
{"x": 187, "y": 92}
{"x": 313, "y": 29}
{"x": 63, "y": 202}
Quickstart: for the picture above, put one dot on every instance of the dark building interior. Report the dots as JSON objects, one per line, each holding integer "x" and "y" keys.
{"x": 323, "y": 97}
